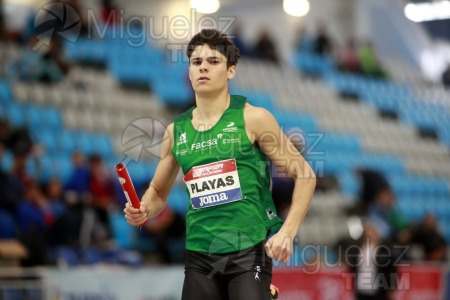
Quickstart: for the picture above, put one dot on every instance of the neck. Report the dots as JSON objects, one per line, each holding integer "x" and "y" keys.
{"x": 212, "y": 105}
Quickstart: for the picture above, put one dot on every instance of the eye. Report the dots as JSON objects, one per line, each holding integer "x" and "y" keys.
{"x": 196, "y": 62}
{"x": 214, "y": 62}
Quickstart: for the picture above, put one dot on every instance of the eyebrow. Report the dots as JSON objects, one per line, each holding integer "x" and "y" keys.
{"x": 209, "y": 57}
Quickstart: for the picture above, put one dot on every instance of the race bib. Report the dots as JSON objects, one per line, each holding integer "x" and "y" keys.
{"x": 213, "y": 184}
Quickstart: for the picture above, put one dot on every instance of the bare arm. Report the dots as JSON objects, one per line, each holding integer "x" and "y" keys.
{"x": 155, "y": 197}
{"x": 264, "y": 129}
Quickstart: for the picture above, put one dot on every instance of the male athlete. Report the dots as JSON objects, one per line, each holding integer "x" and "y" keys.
{"x": 222, "y": 145}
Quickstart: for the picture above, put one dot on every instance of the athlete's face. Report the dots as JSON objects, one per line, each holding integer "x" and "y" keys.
{"x": 208, "y": 70}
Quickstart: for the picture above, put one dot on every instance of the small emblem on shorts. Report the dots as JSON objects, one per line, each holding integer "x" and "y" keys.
{"x": 258, "y": 270}
{"x": 270, "y": 213}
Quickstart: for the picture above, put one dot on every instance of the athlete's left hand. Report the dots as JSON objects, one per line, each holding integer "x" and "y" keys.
{"x": 279, "y": 247}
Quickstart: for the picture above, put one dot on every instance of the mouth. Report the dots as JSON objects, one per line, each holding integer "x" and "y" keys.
{"x": 203, "y": 79}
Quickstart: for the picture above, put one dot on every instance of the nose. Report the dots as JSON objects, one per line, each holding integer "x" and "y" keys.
{"x": 203, "y": 67}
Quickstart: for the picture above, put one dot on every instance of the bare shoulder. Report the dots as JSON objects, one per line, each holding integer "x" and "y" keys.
{"x": 169, "y": 129}
{"x": 168, "y": 135}
{"x": 255, "y": 114}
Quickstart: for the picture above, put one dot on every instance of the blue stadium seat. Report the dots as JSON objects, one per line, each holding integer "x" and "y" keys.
{"x": 313, "y": 64}
{"x": 15, "y": 114}
{"x": 5, "y": 93}
{"x": 67, "y": 141}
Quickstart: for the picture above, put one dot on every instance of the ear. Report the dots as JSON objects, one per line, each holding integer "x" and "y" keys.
{"x": 231, "y": 72}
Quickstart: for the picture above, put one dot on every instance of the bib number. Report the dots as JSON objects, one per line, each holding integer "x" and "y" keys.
{"x": 213, "y": 184}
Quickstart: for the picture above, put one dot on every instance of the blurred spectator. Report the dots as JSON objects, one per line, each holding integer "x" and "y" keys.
{"x": 370, "y": 64}
{"x": 389, "y": 222}
{"x": 265, "y": 47}
{"x": 446, "y": 77}
{"x": 2, "y": 23}
{"x": 34, "y": 218}
{"x": 109, "y": 12}
{"x": 10, "y": 194}
{"x": 372, "y": 182}
{"x": 101, "y": 186}
{"x": 303, "y": 41}
{"x": 78, "y": 182}
{"x": 16, "y": 140}
{"x": 39, "y": 64}
{"x": 322, "y": 42}
{"x": 238, "y": 40}
{"x": 19, "y": 170}
{"x": 348, "y": 60}
{"x": 168, "y": 229}
{"x": 373, "y": 264}
{"x": 55, "y": 196}
{"x": 427, "y": 235}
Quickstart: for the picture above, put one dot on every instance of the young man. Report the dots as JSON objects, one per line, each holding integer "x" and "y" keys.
{"x": 221, "y": 144}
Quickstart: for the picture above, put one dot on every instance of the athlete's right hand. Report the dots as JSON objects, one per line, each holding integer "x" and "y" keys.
{"x": 136, "y": 216}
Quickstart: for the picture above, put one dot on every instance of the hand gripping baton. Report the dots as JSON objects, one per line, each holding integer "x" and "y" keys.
{"x": 127, "y": 186}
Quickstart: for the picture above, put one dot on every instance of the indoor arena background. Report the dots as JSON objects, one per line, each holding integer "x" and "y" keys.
{"x": 358, "y": 85}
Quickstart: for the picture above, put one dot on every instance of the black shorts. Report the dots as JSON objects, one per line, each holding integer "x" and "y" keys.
{"x": 241, "y": 275}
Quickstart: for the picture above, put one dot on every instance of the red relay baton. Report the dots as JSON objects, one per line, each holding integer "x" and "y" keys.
{"x": 127, "y": 186}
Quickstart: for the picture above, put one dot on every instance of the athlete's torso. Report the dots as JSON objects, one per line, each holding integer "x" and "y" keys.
{"x": 227, "y": 180}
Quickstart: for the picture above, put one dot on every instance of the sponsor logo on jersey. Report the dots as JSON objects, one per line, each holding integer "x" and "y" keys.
{"x": 182, "y": 152}
{"x": 182, "y": 140}
{"x": 231, "y": 141}
{"x": 213, "y": 184}
{"x": 204, "y": 144}
{"x": 230, "y": 127}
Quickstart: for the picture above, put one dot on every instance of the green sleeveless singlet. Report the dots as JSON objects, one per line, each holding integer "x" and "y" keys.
{"x": 227, "y": 180}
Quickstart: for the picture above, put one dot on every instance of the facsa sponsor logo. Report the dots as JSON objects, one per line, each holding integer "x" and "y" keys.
{"x": 204, "y": 144}
{"x": 230, "y": 124}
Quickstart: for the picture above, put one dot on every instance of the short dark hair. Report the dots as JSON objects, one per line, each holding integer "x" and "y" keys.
{"x": 216, "y": 40}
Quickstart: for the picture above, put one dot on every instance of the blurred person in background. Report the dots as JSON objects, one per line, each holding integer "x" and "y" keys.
{"x": 323, "y": 44}
{"x": 55, "y": 195}
{"x": 428, "y": 236}
{"x": 446, "y": 77}
{"x": 389, "y": 222}
{"x": 372, "y": 262}
{"x": 303, "y": 42}
{"x": 265, "y": 47}
{"x": 109, "y": 13}
{"x": 168, "y": 229}
{"x": 372, "y": 182}
{"x": 43, "y": 65}
{"x": 2, "y": 23}
{"x": 17, "y": 140}
{"x": 370, "y": 63}
{"x": 348, "y": 59}
{"x": 101, "y": 187}
{"x": 78, "y": 181}
{"x": 34, "y": 218}
{"x": 240, "y": 42}
{"x": 10, "y": 195}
